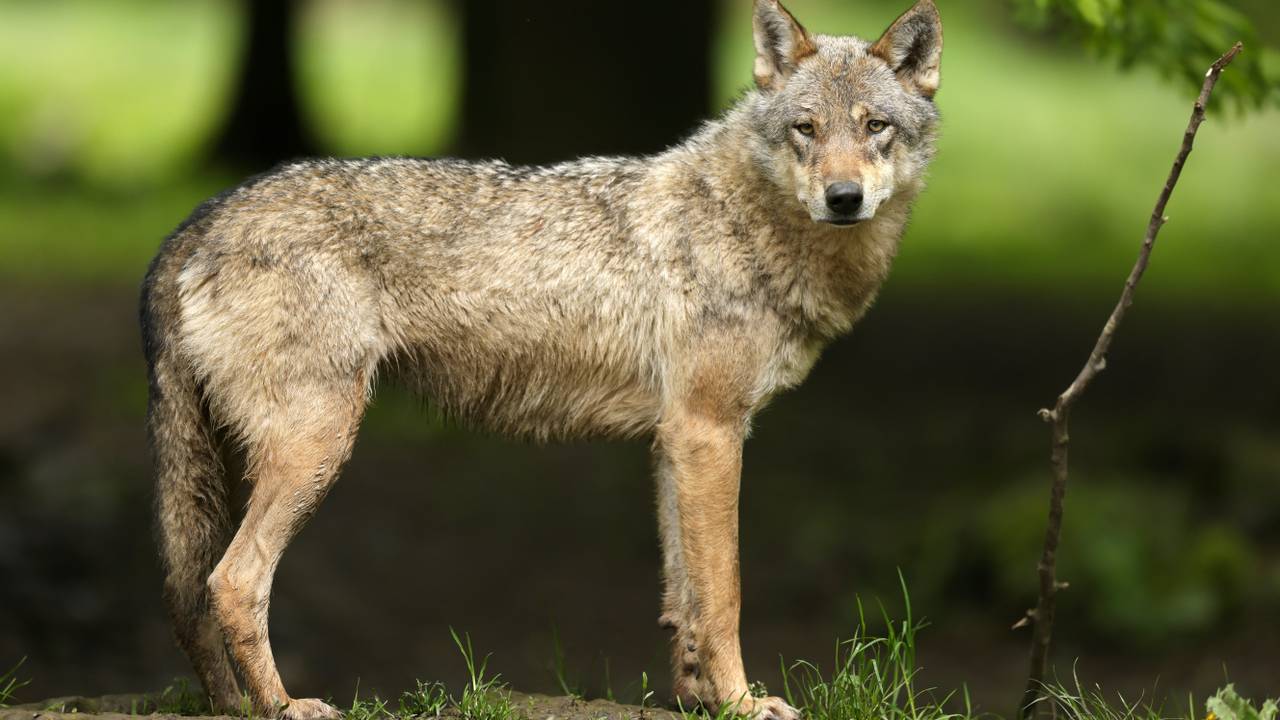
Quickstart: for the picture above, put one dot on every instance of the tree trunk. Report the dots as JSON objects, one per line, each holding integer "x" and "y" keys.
{"x": 550, "y": 80}
{"x": 265, "y": 124}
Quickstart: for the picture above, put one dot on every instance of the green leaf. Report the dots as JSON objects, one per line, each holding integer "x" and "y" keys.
{"x": 1228, "y": 705}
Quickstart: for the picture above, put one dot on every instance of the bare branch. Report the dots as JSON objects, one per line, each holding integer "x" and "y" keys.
{"x": 1058, "y": 417}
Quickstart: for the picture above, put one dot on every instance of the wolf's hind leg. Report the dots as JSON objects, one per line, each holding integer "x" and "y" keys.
{"x": 293, "y": 465}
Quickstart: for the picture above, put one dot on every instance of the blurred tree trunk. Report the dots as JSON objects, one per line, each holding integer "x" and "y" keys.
{"x": 551, "y": 80}
{"x": 265, "y": 124}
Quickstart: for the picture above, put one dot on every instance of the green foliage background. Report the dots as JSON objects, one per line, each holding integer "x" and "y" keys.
{"x": 1173, "y": 37}
{"x": 1048, "y": 163}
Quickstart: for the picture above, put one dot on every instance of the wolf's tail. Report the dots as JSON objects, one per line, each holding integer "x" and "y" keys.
{"x": 192, "y": 517}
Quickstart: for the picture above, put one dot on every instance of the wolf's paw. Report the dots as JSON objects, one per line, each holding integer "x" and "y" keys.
{"x": 309, "y": 709}
{"x": 688, "y": 689}
{"x": 768, "y": 708}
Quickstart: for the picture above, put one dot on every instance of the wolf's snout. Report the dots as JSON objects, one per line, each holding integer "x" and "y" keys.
{"x": 844, "y": 198}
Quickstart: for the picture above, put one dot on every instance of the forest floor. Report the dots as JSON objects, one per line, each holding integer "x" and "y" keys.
{"x": 159, "y": 706}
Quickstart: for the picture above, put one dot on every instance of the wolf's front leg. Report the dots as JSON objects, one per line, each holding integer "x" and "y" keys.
{"x": 677, "y": 597}
{"x": 700, "y": 462}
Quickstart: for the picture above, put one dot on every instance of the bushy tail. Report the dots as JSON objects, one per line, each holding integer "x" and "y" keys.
{"x": 193, "y": 521}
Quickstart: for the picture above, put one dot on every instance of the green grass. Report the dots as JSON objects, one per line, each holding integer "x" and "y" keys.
{"x": 560, "y": 672}
{"x": 1080, "y": 703}
{"x": 871, "y": 677}
{"x": 426, "y": 700}
{"x": 728, "y": 711}
{"x": 484, "y": 697}
{"x": 181, "y": 698}
{"x": 373, "y": 708}
{"x": 10, "y": 684}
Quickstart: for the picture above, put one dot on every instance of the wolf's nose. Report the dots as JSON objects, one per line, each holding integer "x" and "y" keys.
{"x": 844, "y": 198}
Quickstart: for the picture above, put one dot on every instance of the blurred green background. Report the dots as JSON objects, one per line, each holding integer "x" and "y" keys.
{"x": 914, "y": 445}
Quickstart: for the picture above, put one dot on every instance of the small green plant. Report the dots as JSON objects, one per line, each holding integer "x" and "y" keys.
{"x": 608, "y": 682}
{"x": 180, "y": 698}
{"x": 646, "y": 695}
{"x": 375, "y": 708}
{"x": 872, "y": 677}
{"x": 1091, "y": 704}
{"x": 1228, "y": 705}
{"x": 10, "y": 684}
{"x": 558, "y": 668}
{"x": 726, "y": 711}
{"x": 426, "y": 700}
{"x": 484, "y": 698}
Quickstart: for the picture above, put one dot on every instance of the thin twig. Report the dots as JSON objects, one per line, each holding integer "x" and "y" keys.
{"x": 1042, "y": 615}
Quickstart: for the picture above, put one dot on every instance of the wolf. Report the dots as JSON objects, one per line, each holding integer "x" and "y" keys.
{"x": 668, "y": 297}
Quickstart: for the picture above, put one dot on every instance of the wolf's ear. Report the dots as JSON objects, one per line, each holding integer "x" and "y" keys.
{"x": 781, "y": 43}
{"x": 913, "y": 47}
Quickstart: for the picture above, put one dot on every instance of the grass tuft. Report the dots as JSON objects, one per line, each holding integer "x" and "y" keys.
{"x": 727, "y": 711}
{"x": 181, "y": 698}
{"x": 1081, "y": 703}
{"x": 10, "y": 684}
{"x": 559, "y": 670}
{"x": 427, "y": 700}
{"x": 375, "y": 708}
{"x": 484, "y": 698}
{"x": 872, "y": 678}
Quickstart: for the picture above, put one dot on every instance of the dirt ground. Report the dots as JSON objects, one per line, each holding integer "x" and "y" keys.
{"x": 120, "y": 707}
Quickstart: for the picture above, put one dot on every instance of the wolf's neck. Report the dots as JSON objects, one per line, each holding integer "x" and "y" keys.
{"x": 820, "y": 277}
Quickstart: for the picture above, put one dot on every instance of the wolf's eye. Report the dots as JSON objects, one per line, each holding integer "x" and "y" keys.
{"x": 805, "y": 129}
{"x": 877, "y": 126}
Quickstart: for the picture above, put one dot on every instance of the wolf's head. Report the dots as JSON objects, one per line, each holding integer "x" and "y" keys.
{"x": 845, "y": 123}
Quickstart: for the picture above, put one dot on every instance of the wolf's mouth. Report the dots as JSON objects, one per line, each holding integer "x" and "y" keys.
{"x": 843, "y": 222}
